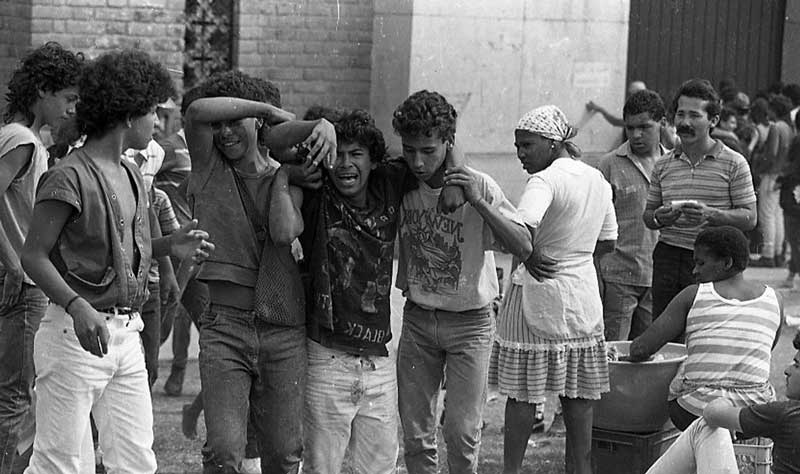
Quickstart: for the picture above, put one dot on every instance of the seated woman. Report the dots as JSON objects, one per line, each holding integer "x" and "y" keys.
{"x": 731, "y": 325}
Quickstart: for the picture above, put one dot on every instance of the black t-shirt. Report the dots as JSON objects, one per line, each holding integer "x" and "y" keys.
{"x": 779, "y": 421}
{"x": 348, "y": 262}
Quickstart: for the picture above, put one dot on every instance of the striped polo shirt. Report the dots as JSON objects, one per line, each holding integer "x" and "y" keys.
{"x": 729, "y": 343}
{"x": 720, "y": 180}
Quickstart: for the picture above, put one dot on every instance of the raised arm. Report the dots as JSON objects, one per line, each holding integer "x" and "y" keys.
{"x": 202, "y": 113}
{"x": 666, "y": 327}
{"x": 285, "y": 218}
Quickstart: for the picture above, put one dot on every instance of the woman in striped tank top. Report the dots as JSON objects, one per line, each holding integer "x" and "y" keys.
{"x": 731, "y": 326}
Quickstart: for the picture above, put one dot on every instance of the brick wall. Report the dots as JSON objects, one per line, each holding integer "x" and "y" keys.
{"x": 15, "y": 38}
{"x": 316, "y": 51}
{"x": 97, "y": 26}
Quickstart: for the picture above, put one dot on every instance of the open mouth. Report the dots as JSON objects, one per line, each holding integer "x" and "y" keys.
{"x": 347, "y": 178}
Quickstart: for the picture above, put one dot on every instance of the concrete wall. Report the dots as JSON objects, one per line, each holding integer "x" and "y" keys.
{"x": 790, "y": 71}
{"x": 496, "y": 60}
{"x": 316, "y": 51}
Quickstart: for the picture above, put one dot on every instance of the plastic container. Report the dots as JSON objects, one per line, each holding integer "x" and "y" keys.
{"x": 628, "y": 453}
{"x": 754, "y": 456}
{"x": 637, "y": 402}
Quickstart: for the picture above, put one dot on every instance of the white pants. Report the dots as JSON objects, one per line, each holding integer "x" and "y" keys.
{"x": 350, "y": 401}
{"x": 770, "y": 217}
{"x": 700, "y": 449}
{"x": 71, "y": 383}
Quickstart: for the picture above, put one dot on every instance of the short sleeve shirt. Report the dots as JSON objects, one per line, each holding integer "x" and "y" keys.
{"x": 89, "y": 250}
{"x": 721, "y": 180}
{"x": 16, "y": 203}
{"x": 779, "y": 421}
{"x": 631, "y": 262}
{"x": 569, "y": 204}
{"x": 446, "y": 260}
{"x": 351, "y": 282}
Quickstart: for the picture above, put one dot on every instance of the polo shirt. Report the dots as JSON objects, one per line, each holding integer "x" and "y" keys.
{"x": 720, "y": 180}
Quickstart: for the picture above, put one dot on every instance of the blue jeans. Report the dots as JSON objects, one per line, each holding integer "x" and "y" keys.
{"x": 18, "y": 324}
{"x": 435, "y": 345}
{"x": 193, "y": 304}
{"x": 250, "y": 366}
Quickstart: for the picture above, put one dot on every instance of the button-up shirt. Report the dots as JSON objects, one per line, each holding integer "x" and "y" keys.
{"x": 631, "y": 262}
{"x": 89, "y": 253}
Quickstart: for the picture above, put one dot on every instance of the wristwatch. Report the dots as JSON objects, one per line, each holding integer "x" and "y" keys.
{"x": 655, "y": 219}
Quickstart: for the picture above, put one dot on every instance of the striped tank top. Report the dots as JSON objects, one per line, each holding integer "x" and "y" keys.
{"x": 729, "y": 345}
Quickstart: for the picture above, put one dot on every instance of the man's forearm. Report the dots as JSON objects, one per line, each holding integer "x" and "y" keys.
{"x": 285, "y": 220}
{"x": 742, "y": 218}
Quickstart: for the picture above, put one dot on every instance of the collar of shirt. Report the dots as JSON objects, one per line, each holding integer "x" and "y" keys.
{"x": 713, "y": 153}
{"x": 624, "y": 151}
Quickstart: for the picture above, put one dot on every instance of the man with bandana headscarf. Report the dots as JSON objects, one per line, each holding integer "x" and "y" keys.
{"x": 550, "y": 329}
{"x": 699, "y": 184}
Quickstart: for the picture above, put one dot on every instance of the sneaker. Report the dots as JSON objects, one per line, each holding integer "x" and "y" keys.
{"x": 174, "y": 384}
{"x": 251, "y": 466}
{"x": 788, "y": 282}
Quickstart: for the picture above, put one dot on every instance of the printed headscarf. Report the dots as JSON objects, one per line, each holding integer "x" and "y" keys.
{"x": 551, "y": 123}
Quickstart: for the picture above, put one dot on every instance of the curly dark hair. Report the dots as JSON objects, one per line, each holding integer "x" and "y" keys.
{"x": 425, "y": 113}
{"x": 699, "y": 89}
{"x": 48, "y": 68}
{"x": 358, "y": 126}
{"x": 118, "y": 86}
{"x": 243, "y": 86}
{"x": 644, "y": 101}
{"x": 190, "y": 96}
{"x": 724, "y": 242}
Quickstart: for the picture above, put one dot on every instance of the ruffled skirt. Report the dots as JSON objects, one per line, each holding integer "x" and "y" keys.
{"x": 525, "y": 366}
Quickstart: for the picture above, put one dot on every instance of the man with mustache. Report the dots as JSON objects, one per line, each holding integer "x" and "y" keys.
{"x": 626, "y": 273}
{"x": 699, "y": 184}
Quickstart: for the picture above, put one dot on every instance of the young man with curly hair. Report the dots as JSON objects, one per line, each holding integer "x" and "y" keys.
{"x": 252, "y": 338}
{"x": 447, "y": 273}
{"x": 42, "y": 92}
{"x": 89, "y": 249}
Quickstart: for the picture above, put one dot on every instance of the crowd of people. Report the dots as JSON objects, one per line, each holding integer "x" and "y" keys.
{"x": 276, "y": 237}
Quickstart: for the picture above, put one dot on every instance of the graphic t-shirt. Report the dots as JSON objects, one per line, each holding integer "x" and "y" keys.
{"x": 349, "y": 255}
{"x": 446, "y": 260}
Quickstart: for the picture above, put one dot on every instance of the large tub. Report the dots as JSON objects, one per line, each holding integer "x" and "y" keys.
{"x": 637, "y": 402}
